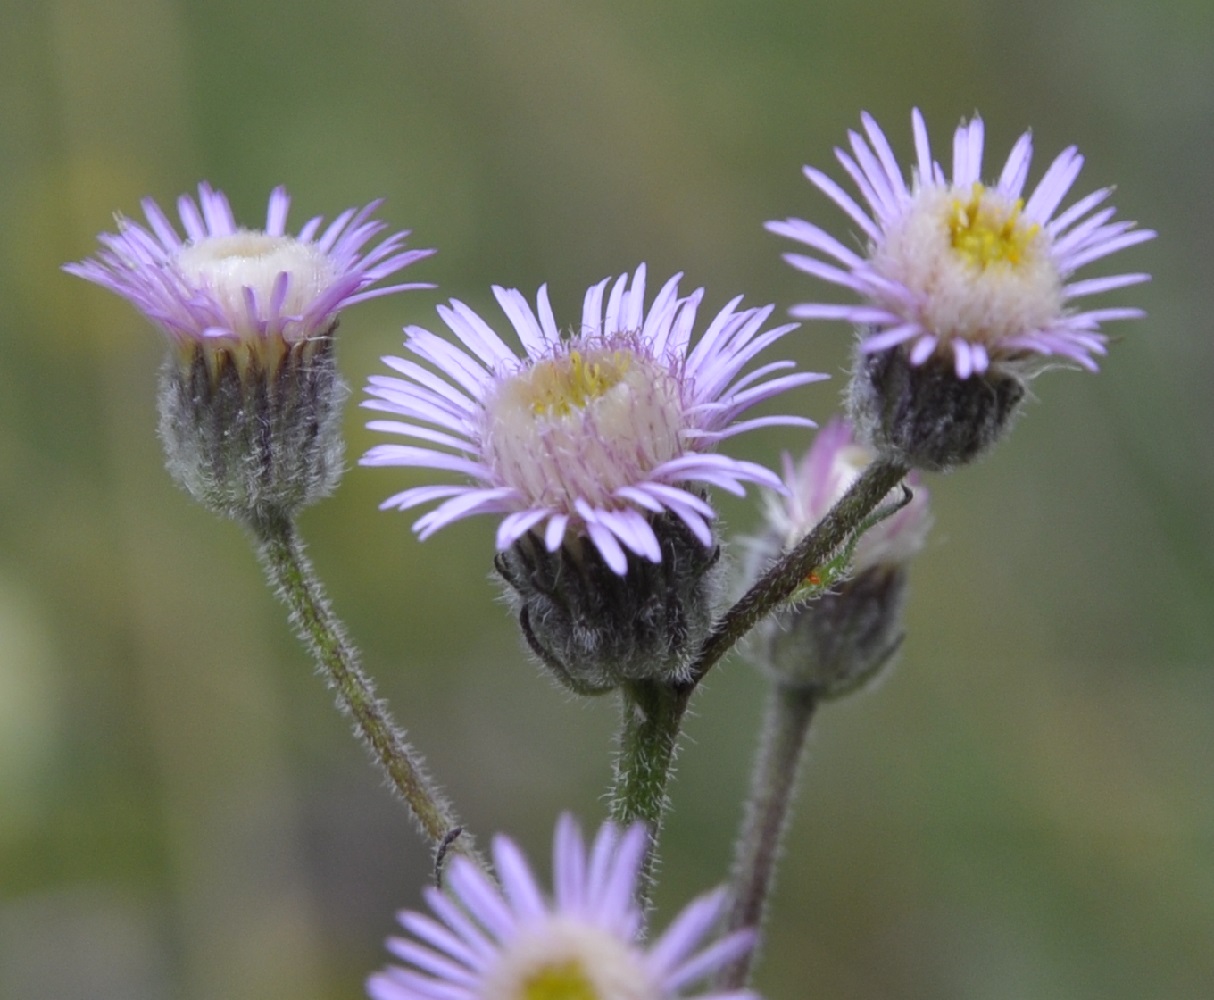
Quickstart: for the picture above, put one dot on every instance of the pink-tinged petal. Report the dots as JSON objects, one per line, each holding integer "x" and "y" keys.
{"x": 515, "y": 525}
{"x": 1016, "y": 169}
{"x": 609, "y": 548}
{"x": 526, "y": 325}
{"x": 1094, "y": 286}
{"x": 554, "y": 532}
{"x": 923, "y": 151}
{"x": 488, "y": 501}
{"x": 1081, "y": 208}
{"x": 592, "y": 310}
{"x": 885, "y": 154}
{"x": 923, "y": 349}
{"x": 518, "y": 884}
{"x": 819, "y": 239}
{"x": 417, "y": 496}
{"x": 841, "y": 198}
{"x": 892, "y": 337}
{"x": 426, "y": 458}
{"x": 1054, "y": 185}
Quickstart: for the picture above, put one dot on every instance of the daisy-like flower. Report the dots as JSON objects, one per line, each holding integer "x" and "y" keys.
{"x": 583, "y": 943}
{"x": 597, "y": 448}
{"x": 842, "y": 638}
{"x": 250, "y": 396}
{"x": 961, "y": 270}
{"x": 254, "y": 292}
{"x": 586, "y": 434}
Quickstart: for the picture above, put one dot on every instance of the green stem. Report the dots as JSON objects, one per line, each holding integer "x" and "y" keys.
{"x": 649, "y": 737}
{"x": 786, "y": 575}
{"x": 772, "y": 787}
{"x": 318, "y": 628}
{"x": 653, "y": 710}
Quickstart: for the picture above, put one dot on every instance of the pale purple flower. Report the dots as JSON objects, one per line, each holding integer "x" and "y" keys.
{"x": 516, "y": 943}
{"x": 819, "y": 480}
{"x": 260, "y": 289}
{"x": 963, "y": 271}
{"x": 587, "y": 434}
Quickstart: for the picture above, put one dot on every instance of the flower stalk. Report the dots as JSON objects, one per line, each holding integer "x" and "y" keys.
{"x": 290, "y": 572}
{"x": 790, "y": 710}
{"x": 648, "y": 743}
{"x": 789, "y": 573}
{"x": 653, "y": 710}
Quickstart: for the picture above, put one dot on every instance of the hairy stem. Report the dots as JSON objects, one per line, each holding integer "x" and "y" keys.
{"x": 772, "y": 787}
{"x": 318, "y": 628}
{"x": 649, "y": 734}
{"x": 786, "y": 575}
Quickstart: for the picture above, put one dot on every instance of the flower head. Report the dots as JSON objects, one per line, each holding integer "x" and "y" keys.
{"x": 252, "y": 292}
{"x": 835, "y": 642}
{"x": 514, "y": 943}
{"x": 250, "y": 402}
{"x": 961, "y": 270}
{"x": 584, "y": 437}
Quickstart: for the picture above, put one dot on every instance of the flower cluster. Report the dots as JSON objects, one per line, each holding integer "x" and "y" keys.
{"x": 597, "y": 445}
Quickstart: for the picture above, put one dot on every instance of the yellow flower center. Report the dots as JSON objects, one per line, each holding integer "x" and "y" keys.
{"x": 562, "y": 385}
{"x": 559, "y": 981}
{"x": 988, "y": 231}
{"x": 976, "y": 268}
{"x": 565, "y": 958}
{"x": 581, "y": 424}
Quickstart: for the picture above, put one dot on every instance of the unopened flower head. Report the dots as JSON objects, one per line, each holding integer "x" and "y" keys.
{"x": 597, "y": 448}
{"x": 582, "y": 943}
{"x": 960, "y": 274}
{"x": 839, "y": 639}
{"x": 819, "y": 480}
{"x": 250, "y": 403}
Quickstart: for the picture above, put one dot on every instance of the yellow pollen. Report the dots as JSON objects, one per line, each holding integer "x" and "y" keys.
{"x": 988, "y": 231}
{"x": 559, "y": 981}
{"x": 560, "y": 386}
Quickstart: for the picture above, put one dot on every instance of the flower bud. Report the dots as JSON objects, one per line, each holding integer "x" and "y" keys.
{"x": 836, "y": 641}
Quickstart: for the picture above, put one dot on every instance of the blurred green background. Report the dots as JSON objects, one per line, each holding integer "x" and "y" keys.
{"x": 1024, "y": 809}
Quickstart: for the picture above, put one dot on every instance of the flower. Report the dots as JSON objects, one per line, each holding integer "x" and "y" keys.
{"x": 258, "y": 291}
{"x": 827, "y": 471}
{"x": 250, "y": 406}
{"x": 960, "y": 270}
{"x": 512, "y": 943}
{"x": 850, "y": 629}
{"x": 590, "y": 436}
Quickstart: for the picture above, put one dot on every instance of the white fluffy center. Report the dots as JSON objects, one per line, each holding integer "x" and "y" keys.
{"x": 566, "y": 959}
{"x": 226, "y": 265}
{"x": 582, "y": 424}
{"x": 977, "y": 269}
